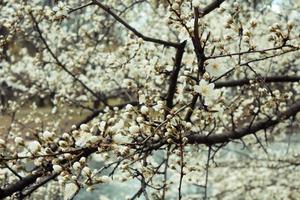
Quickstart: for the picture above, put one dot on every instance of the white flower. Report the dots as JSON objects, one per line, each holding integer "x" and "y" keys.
{"x": 144, "y": 109}
{"x": 61, "y": 10}
{"x": 70, "y": 190}
{"x": 196, "y": 3}
{"x": 128, "y": 107}
{"x": 207, "y": 90}
{"x": 82, "y": 160}
{"x": 105, "y": 179}
{"x": 215, "y": 69}
{"x": 102, "y": 125}
{"x": 76, "y": 165}
{"x": 97, "y": 157}
{"x": 134, "y": 129}
{"x": 93, "y": 139}
{"x": 84, "y": 127}
{"x": 57, "y": 168}
{"x": 86, "y": 171}
{"x": 83, "y": 138}
{"x": 19, "y": 141}
{"x": 160, "y": 105}
{"x": 120, "y": 139}
{"x": 38, "y": 161}
{"x": 118, "y": 126}
{"x": 215, "y": 94}
{"x": 47, "y": 135}
{"x": 2, "y": 142}
{"x": 204, "y": 88}
{"x": 34, "y": 147}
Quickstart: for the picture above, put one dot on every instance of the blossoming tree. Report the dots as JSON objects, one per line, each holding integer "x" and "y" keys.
{"x": 182, "y": 99}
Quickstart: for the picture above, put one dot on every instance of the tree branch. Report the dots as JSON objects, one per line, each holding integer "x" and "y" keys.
{"x": 58, "y": 61}
{"x": 174, "y": 76}
{"x": 209, "y": 8}
{"x": 270, "y": 79}
{"x": 239, "y": 133}
{"x": 133, "y": 30}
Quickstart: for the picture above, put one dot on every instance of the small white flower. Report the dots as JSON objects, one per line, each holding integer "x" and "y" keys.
{"x": 90, "y": 189}
{"x": 38, "y": 161}
{"x": 70, "y": 190}
{"x": 105, "y": 179}
{"x": 93, "y": 139}
{"x": 204, "y": 88}
{"x": 47, "y": 135}
{"x": 196, "y": 3}
{"x": 102, "y": 125}
{"x": 84, "y": 127}
{"x": 215, "y": 69}
{"x": 19, "y": 141}
{"x": 61, "y": 10}
{"x": 34, "y": 147}
{"x": 128, "y": 107}
{"x": 83, "y": 138}
{"x": 86, "y": 171}
{"x": 76, "y": 165}
{"x": 82, "y": 160}
{"x": 120, "y": 139}
{"x": 134, "y": 129}
{"x": 118, "y": 126}
{"x": 144, "y": 109}
{"x": 57, "y": 168}
{"x": 2, "y": 143}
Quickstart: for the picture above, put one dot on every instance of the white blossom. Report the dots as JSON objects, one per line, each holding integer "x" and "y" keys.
{"x": 70, "y": 190}
{"x": 215, "y": 69}
{"x": 34, "y": 147}
{"x": 19, "y": 141}
{"x": 134, "y": 129}
{"x": 47, "y": 135}
{"x": 77, "y": 165}
{"x": 57, "y": 168}
{"x": 204, "y": 88}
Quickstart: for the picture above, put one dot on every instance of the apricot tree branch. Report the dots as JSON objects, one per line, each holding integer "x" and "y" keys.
{"x": 246, "y": 130}
{"x": 133, "y": 30}
{"x": 270, "y": 79}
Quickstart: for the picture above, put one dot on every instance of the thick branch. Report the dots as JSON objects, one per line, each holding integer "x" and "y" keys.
{"x": 215, "y": 4}
{"x": 175, "y": 73}
{"x": 133, "y": 30}
{"x": 239, "y": 133}
{"x": 31, "y": 179}
{"x": 270, "y": 79}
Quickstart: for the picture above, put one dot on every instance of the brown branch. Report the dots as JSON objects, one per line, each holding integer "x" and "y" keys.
{"x": 240, "y": 133}
{"x": 209, "y": 8}
{"x": 206, "y": 173}
{"x": 19, "y": 186}
{"x": 58, "y": 61}
{"x": 270, "y": 79}
{"x": 133, "y": 30}
{"x": 175, "y": 73}
{"x": 80, "y": 7}
{"x": 181, "y": 171}
{"x": 262, "y": 51}
{"x": 31, "y": 179}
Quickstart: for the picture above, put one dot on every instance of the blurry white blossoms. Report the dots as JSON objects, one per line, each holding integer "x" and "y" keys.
{"x": 215, "y": 69}
{"x": 61, "y": 10}
{"x": 207, "y": 90}
{"x": 70, "y": 190}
